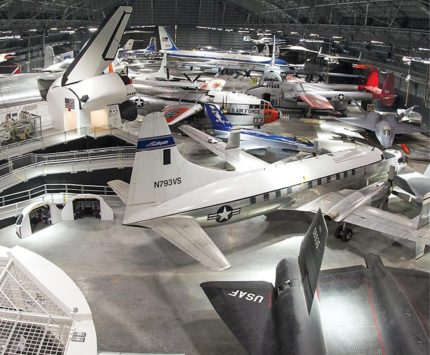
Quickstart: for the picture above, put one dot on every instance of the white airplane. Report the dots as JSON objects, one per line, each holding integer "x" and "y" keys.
{"x": 176, "y": 198}
{"x": 219, "y": 59}
{"x": 177, "y": 105}
{"x": 83, "y": 87}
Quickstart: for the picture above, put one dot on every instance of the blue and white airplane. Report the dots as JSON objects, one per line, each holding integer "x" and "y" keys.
{"x": 254, "y": 139}
{"x": 127, "y": 51}
{"x": 215, "y": 59}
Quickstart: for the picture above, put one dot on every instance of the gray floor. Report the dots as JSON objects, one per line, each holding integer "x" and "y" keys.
{"x": 144, "y": 293}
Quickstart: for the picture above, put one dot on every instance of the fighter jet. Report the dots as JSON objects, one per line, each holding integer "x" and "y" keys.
{"x": 385, "y": 126}
{"x": 251, "y": 139}
{"x": 392, "y": 305}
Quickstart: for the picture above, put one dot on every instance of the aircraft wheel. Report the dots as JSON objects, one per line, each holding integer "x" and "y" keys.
{"x": 338, "y": 232}
{"x": 308, "y": 114}
{"x": 347, "y": 235}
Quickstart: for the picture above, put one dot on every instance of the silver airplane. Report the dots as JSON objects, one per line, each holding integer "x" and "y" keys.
{"x": 385, "y": 126}
{"x": 177, "y": 198}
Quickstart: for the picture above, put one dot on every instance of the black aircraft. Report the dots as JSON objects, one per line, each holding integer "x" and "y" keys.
{"x": 369, "y": 309}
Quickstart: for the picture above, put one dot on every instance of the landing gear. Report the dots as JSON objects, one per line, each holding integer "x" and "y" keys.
{"x": 344, "y": 233}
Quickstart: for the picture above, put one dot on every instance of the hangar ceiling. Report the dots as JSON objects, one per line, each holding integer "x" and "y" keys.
{"x": 389, "y": 29}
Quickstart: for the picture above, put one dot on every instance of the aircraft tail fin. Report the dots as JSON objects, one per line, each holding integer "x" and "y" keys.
{"x": 246, "y": 308}
{"x": 311, "y": 255}
{"x": 387, "y": 94}
{"x": 152, "y": 46}
{"x": 163, "y": 71}
{"x": 427, "y": 171}
{"x": 49, "y": 56}
{"x": 160, "y": 172}
{"x": 128, "y": 46}
{"x": 166, "y": 42}
{"x": 218, "y": 120}
{"x": 100, "y": 50}
{"x": 373, "y": 79}
{"x": 274, "y": 52}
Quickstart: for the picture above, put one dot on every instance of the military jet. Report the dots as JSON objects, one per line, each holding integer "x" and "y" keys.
{"x": 357, "y": 310}
{"x": 385, "y": 126}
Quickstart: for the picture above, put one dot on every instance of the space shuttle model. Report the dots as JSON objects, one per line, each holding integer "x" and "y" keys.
{"x": 84, "y": 89}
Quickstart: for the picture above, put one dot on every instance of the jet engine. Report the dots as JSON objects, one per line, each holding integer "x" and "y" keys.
{"x": 128, "y": 110}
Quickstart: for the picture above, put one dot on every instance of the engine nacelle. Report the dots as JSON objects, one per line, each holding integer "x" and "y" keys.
{"x": 128, "y": 110}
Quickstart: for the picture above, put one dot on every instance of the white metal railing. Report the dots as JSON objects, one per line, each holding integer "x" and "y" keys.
{"x": 12, "y": 204}
{"x": 46, "y": 140}
{"x": 18, "y": 163}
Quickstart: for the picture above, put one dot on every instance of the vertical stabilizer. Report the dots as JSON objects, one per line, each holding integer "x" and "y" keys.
{"x": 128, "y": 46}
{"x": 49, "y": 56}
{"x": 373, "y": 79}
{"x": 166, "y": 42}
{"x": 100, "y": 50}
{"x": 160, "y": 172}
{"x": 387, "y": 94}
{"x": 152, "y": 46}
{"x": 311, "y": 255}
{"x": 218, "y": 120}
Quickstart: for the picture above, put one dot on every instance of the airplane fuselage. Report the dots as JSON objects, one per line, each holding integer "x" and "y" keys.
{"x": 280, "y": 185}
{"x": 234, "y": 58}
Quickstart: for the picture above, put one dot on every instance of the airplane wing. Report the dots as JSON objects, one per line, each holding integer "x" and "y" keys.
{"x": 369, "y": 217}
{"x": 236, "y": 157}
{"x": 100, "y": 50}
{"x": 405, "y": 128}
{"x": 382, "y": 221}
{"x": 177, "y": 113}
{"x": 120, "y": 188}
{"x": 316, "y": 102}
{"x": 359, "y": 122}
{"x": 186, "y": 234}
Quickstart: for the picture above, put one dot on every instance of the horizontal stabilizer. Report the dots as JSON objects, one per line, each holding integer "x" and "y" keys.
{"x": 316, "y": 102}
{"x": 177, "y": 113}
{"x": 100, "y": 50}
{"x": 239, "y": 159}
{"x": 186, "y": 234}
{"x": 246, "y": 308}
{"x": 120, "y": 188}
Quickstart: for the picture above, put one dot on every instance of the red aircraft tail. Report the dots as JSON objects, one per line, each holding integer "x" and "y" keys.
{"x": 387, "y": 94}
{"x": 373, "y": 79}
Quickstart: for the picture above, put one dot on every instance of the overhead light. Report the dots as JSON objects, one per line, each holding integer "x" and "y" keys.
{"x": 53, "y": 28}
{"x": 294, "y": 33}
{"x": 337, "y": 37}
{"x": 92, "y": 29}
{"x": 376, "y": 42}
{"x": 314, "y": 35}
{"x": 424, "y": 49}
{"x": 32, "y": 30}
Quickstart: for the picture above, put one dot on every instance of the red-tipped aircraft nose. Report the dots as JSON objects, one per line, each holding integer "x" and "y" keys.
{"x": 271, "y": 115}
